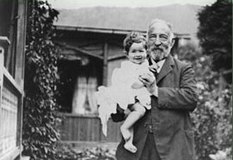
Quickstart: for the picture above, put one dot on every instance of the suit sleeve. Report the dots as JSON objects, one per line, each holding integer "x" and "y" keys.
{"x": 182, "y": 98}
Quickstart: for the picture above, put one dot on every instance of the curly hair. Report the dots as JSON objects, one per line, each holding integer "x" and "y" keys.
{"x": 134, "y": 37}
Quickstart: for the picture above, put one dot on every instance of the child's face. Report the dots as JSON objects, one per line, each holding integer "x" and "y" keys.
{"x": 137, "y": 53}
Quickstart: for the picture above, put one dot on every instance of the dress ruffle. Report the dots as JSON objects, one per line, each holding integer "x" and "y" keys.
{"x": 122, "y": 92}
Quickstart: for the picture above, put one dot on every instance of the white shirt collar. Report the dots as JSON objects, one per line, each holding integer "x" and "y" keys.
{"x": 160, "y": 65}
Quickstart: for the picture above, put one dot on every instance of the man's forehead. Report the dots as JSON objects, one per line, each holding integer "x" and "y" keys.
{"x": 159, "y": 27}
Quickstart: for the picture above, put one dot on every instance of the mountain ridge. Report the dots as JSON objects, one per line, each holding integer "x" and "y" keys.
{"x": 182, "y": 17}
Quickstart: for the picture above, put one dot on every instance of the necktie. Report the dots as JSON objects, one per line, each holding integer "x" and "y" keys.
{"x": 154, "y": 68}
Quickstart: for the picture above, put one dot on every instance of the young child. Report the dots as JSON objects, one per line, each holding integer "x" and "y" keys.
{"x": 126, "y": 89}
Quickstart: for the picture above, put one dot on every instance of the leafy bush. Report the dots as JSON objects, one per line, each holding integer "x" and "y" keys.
{"x": 66, "y": 152}
{"x": 212, "y": 118}
{"x": 39, "y": 131}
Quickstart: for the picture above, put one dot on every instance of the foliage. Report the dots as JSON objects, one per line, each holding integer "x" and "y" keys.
{"x": 39, "y": 133}
{"x": 66, "y": 152}
{"x": 212, "y": 118}
{"x": 215, "y": 34}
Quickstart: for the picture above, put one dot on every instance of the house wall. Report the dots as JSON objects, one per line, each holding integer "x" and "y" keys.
{"x": 12, "y": 43}
{"x": 85, "y": 126}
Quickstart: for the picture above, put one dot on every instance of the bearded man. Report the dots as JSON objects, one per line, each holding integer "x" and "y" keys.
{"x": 165, "y": 132}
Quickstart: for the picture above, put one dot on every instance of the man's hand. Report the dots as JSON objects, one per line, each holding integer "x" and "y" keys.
{"x": 150, "y": 82}
{"x": 138, "y": 84}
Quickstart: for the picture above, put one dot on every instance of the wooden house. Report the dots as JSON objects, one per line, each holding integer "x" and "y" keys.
{"x": 88, "y": 57}
{"x": 12, "y": 42}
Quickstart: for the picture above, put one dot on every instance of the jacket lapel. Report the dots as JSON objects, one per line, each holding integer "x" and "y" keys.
{"x": 167, "y": 67}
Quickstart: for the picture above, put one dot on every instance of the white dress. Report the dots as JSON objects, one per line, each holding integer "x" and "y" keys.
{"x": 125, "y": 88}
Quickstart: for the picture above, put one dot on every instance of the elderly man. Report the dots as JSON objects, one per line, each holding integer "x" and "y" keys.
{"x": 165, "y": 132}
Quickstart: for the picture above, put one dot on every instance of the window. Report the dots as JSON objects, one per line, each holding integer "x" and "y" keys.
{"x": 78, "y": 84}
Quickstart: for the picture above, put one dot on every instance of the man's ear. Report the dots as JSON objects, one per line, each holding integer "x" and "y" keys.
{"x": 173, "y": 42}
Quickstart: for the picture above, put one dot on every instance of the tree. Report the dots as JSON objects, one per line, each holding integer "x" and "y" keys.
{"x": 215, "y": 35}
{"x": 39, "y": 121}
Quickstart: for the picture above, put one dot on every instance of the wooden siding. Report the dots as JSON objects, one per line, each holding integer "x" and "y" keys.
{"x": 10, "y": 115}
{"x": 77, "y": 128}
{"x": 8, "y": 127}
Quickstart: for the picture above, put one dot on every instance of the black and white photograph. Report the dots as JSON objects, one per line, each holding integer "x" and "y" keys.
{"x": 116, "y": 79}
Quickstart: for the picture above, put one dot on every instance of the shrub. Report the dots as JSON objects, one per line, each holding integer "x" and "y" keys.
{"x": 66, "y": 152}
{"x": 212, "y": 118}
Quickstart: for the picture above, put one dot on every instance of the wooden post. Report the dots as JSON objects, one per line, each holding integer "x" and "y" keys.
{"x": 105, "y": 64}
{"x": 20, "y": 65}
{"x": 21, "y": 40}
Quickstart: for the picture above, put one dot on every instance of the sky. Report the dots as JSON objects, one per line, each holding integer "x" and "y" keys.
{"x": 73, "y": 4}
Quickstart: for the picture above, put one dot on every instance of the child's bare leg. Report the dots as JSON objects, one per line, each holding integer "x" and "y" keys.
{"x": 129, "y": 144}
{"x": 137, "y": 112}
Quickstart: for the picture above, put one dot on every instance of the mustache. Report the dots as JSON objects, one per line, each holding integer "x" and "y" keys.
{"x": 156, "y": 48}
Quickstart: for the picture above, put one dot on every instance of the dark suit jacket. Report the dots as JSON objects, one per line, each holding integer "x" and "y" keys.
{"x": 169, "y": 116}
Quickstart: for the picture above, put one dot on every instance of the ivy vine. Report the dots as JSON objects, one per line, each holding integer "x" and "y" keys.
{"x": 39, "y": 122}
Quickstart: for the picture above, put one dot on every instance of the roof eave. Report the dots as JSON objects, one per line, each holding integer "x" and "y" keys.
{"x": 108, "y": 30}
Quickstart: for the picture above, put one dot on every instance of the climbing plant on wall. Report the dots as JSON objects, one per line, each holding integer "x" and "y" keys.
{"x": 39, "y": 121}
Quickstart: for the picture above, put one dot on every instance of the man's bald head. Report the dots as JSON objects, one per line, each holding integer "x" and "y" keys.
{"x": 163, "y": 22}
